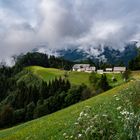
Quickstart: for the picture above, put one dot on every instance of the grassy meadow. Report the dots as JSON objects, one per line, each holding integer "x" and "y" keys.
{"x": 76, "y": 78}
{"x": 53, "y": 126}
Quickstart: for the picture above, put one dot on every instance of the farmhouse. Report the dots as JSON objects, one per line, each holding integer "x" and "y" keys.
{"x": 80, "y": 67}
{"x": 100, "y": 71}
{"x": 109, "y": 69}
{"x": 119, "y": 69}
{"x": 83, "y": 67}
{"x": 90, "y": 69}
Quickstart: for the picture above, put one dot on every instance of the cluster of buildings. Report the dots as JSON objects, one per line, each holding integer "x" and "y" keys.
{"x": 89, "y": 69}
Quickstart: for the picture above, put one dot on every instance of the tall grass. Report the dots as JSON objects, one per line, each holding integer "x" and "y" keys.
{"x": 121, "y": 123}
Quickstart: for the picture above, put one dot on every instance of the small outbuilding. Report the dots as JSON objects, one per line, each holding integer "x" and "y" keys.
{"x": 119, "y": 69}
{"x": 109, "y": 69}
{"x": 100, "y": 71}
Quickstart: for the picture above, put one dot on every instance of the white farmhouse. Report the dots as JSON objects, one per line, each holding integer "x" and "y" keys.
{"x": 119, "y": 69}
{"x": 100, "y": 71}
{"x": 90, "y": 69}
{"x": 109, "y": 69}
{"x": 80, "y": 67}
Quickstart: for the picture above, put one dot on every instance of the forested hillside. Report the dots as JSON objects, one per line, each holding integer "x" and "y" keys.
{"x": 27, "y": 93}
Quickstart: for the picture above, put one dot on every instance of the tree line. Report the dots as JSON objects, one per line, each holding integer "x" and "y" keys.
{"x": 40, "y": 59}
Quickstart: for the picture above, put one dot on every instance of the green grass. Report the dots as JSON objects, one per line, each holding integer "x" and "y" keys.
{"x": 117, "y": 76}
{"x": 53, "y": 126}
{"x": 47, "y": 74}
{"x": 76, "y": 78}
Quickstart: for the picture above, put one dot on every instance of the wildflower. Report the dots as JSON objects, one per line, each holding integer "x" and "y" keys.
{"x": 132, "y": 113}
{"x": 85, "y": 114}
{"x": 118, "y": 108}
{"x": 81, "y": 114}
{"x": 79, "y": 118}
{"x": 64, "y": 134}
{"x": 79, "y": 135}
{"x": 124, "y": 112}
{"x": 71, "y": 137}
{"x": 87, "y": 130}
{"x": 96, "y": 116}
{"x": 104, "y": 115}
{"x": 117, "y": 99}
{"x": 76, "y": 123}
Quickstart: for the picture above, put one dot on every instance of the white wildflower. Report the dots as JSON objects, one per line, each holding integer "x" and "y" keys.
{"x": 85, "y": 114}
{"x": 79, "y": 118}
{"x": 117, "y": 99}
{"x": 64, "y": 134}
{"x": 118, "y": 108}
{"x": 76, "y": 123}
{"x": 104, "y": 115}
{"x": 79, "y": 135}
{"x": 81, "y": 114}
{"x": 71, "y": 137}
{"x": 87, "y": 130}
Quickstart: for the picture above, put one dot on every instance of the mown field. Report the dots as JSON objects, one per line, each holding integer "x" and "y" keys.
{"x": 76, "y": 78}
{"x": 53, "y": 126}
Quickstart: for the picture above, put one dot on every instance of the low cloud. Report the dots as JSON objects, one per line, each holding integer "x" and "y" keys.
{"x": 25, "y": 25}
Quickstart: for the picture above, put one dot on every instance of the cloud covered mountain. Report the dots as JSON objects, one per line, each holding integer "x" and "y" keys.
{"x": 100, "y": 53}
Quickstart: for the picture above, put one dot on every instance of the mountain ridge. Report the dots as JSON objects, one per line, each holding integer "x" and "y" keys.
{"x": 102, "y": 53}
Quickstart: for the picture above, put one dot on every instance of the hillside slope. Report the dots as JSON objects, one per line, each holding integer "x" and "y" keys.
{"x": 76, "y": 78}
{"x": 53, "y": 126}
{"x": 47, "y": 74}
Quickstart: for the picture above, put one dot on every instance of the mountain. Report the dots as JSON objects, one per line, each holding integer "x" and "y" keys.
{"x": 106, "y": 54}
{"x": 100, "y": 53}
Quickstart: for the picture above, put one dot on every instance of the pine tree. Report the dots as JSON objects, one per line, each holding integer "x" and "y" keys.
{"x": 103, "y": 83}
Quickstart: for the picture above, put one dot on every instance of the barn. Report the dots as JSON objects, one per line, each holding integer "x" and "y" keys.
{"x": 119, "y": 69}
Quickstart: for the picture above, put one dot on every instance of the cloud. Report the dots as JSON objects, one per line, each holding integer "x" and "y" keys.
{"x": 25, "y": 25}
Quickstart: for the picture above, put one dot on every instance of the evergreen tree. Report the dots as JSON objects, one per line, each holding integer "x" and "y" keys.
{"x": 30, "y": 111}
{"x": 6, "y": 116}
{"x": 103, "y": 83}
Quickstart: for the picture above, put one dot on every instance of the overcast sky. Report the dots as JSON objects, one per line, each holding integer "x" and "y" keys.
{"x": 25, "y": 24}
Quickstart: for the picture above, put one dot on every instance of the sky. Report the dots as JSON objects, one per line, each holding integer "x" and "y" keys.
{"x": 57, "y": 24}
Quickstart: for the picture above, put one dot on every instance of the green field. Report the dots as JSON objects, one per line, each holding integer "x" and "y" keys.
{"x": 76, "y": 78}
{"x": 52, "y": 127}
